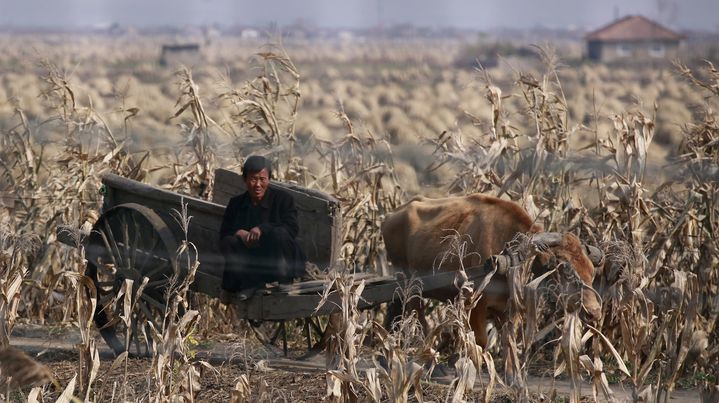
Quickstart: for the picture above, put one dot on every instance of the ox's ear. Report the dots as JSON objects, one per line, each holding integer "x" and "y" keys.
{"x": 572, "y": 251}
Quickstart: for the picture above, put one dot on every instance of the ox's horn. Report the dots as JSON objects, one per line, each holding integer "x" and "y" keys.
{"x": 595, "y": 255}
{"x": 545, "y": 240}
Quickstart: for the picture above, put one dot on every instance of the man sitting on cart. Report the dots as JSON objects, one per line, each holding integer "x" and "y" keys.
{"x": 258, "y": 234}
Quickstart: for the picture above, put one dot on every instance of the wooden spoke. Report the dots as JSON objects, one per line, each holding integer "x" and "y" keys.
{"x": 125, "y": 243}
{"x": 158, "y": 283}
{"x": 133, "y": 247}
{"x": 149, "y": 253}
{"x": 163, "y": 267}
{"x": 111, "y": 245}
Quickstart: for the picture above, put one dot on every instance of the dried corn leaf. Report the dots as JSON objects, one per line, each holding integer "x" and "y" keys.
{"x": 67, "y": 395}
{"x": 615, "y": 353}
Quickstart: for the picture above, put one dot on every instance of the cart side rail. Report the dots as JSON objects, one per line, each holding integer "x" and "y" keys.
{"x": 117, "y": 187}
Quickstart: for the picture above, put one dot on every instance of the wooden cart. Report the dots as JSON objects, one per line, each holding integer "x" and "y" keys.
{"x": 136, "y": 236}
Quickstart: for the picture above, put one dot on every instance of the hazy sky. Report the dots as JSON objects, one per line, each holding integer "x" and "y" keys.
{"x": 476, "y": 14}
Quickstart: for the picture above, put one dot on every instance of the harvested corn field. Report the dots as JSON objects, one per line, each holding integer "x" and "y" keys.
{"x": 623, "y": 158}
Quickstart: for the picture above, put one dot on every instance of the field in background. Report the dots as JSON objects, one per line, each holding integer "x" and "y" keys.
{"x": 404, "y": 91}
{"x": 623, "y": 156}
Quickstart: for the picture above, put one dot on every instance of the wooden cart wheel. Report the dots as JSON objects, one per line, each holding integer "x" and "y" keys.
{"x": 130, "y": 242}
{"x": 278, "y": 334}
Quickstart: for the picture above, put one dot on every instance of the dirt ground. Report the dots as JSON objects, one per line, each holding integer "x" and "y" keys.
{"x": 272, "y": 377}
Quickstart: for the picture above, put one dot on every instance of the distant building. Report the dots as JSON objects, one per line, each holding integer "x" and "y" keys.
{"x": 187, "y": 54}
{"x": 346, "y": 36}
{"x": 632, "y": 38}
{"x": 249, "y": 33}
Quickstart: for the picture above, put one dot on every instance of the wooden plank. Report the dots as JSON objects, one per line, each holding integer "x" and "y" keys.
{"x": 207, "y": 283}
{"x": 294, "y": 287}
{"x": 149, "y": 192}
{"x": 229, "y": 184}
{"x": 286, "y": 307}
{"x": 200, "y": 213}
{"x": 278, "y": 305}
{"x": 314, "y": 287}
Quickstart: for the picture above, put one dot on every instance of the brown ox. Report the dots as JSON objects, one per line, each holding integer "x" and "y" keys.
{"x": 414, "y": 233}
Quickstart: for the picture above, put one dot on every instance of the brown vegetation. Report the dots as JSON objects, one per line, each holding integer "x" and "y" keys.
{"x": 570, "y": 145}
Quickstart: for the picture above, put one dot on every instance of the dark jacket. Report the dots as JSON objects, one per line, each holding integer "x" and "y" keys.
{"x": 278, "y": 211}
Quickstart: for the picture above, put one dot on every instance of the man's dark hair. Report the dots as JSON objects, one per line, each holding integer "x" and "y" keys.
{"x": 256, "y": 163}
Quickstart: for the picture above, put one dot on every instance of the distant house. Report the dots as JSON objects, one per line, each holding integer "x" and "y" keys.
{"x": 188, "y": 54}
{"x": 632, "y": 38}
{"x": 249, "y": 33}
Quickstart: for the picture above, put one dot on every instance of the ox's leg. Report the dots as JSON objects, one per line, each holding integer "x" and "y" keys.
{"x": 334, "y": 323}
{"x": 478, "y": 322}
{"x": 421, "y": 313}
{"x": 395, "y": 311}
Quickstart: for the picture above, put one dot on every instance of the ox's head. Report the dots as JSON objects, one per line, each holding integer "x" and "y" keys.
{"x": 579, "y": 268}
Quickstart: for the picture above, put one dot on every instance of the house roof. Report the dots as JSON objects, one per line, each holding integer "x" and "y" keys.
{"x": 633, "y": 28}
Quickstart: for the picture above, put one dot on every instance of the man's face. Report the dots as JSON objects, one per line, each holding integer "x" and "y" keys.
{"x": 257, "y": 183}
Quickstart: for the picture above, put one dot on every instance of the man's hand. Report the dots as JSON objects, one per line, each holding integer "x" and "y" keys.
{"x": 250, "y": 238}
{"x": 244, "y": 236}
{"x": 255, "y": 234}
